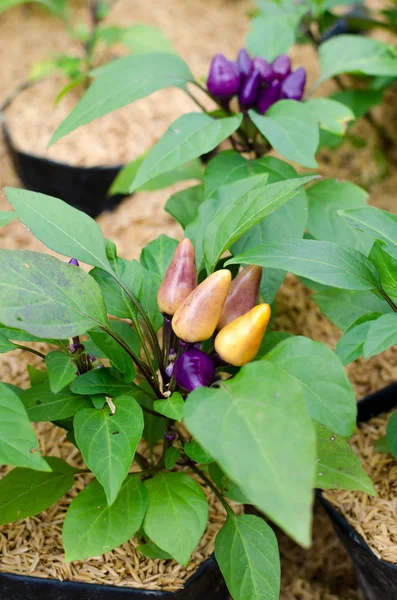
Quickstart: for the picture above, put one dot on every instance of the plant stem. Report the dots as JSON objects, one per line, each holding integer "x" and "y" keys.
{"x": 201, "y": 106}
{"x": 32, "y": 350}
{"x": 142, "y": 462}
{"x": 208, "y": 482}
{"x": 388, "y": 299}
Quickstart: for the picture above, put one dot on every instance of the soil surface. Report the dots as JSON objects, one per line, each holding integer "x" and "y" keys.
{"x": 198, "y": 29}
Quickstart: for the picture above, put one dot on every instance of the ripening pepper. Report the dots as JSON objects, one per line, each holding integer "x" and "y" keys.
{"x": 197, "y": 317}
{"x": 269, "y": 96}
{"x": 244, "y": 62}
{"x": 293, "y": 86}
{"x": 194, "y": 369}
{"x": 223, "y": 80}
{"x": 238, "y": 343}
{"x": 243, "y": 294}
{"x": 264, "y": 68}
{"x": 180, "y": 278}
{"x": 249, "y": 92}
{"x": 281, "y": 67}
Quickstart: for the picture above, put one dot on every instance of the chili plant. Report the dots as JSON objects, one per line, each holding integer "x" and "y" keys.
{"x": 260, "y": 417}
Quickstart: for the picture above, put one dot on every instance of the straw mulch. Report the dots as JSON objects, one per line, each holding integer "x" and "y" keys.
{"x": 27, "y": 35}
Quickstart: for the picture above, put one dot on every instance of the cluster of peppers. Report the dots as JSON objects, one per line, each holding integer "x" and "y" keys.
{"x": 193, "y": 313}
{"x": 257, "y": 83}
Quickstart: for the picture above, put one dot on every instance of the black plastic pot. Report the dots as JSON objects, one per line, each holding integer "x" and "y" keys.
{"x": 377, "y": 578}
{"x": 206, "y": 584}
{"x": 85, "y": 188}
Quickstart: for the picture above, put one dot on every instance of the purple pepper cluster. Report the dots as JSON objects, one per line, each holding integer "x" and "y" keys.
{"x": 257, "y": 83}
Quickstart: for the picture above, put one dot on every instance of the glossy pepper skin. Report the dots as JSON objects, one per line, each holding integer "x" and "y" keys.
{"x": 264, "y": 68}
{"x": 197, "y": 317}
{"x": 281, "y": 67}
{"x": 194, "y": 369}
{"x": 293, "y": 86}
{"x": 269, "y": 96}
{"x": 244, "y": 62}
{"x": 243, "y": 294}
{"x": 223, "y": 80}
{"x": 238, "y": 343}
{"x": 250, "y": 90}
{"x": 180, "y": 278}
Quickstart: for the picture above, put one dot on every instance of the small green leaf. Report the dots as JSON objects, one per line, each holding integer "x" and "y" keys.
{"x": 61, "y": 370}
{"x": 108, "y": 441}
{"x": 92, "y": 527}
{"x": 156, "y": 256}
{"x": 152, "y": 551}
{"x": 177, "y": 514}
{"x": 172, "y": 407}
{"x": 343, "y": 307}
{"x": 36, "y": 377}
{"x": 284, "y": 125}
{"x": 324, "y": 262}
{"x": 351, "y": 345}
{"x": 42, "y": 404}
{"x": 117, "y": 356}
{"x": 381, "y": 445}
{"x": 377, "y": 223}
{"x": 47, "y": 297}
{"x": 187, "y": 138}
{"x": 183, "y": 205}
{"x": 270, "y": 36}
{"x": 101, "y": 381}
{"x": 247, "y": 553}
{"x": 171, "y": 456}
{"x": 331, "y": 115}
{"x": 270, "y": 341}
{"x": 330, "y": 398}
{"x": 18, "y": 444}
{"x": 194, "y": 451}
{"x": 6, "y": 217}
{"x": 387, "y": 268}
{"x": 382, "y": 334}
{"x": 6, "y": 345}
{"x": 25, "y": 492}
{"x": 337, "y": 466}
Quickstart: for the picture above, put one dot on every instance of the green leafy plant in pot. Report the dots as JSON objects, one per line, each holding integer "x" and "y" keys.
{"x": 261, "y": 418}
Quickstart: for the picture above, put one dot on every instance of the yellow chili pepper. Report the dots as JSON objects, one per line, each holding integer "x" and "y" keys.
{"x": 180, "y": 278}
{"x": 197, "y": 317}
{"x": 238, "y": 343}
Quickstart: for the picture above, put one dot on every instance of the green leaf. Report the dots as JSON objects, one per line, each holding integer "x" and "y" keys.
{"x": 61, "y": 370}
{"x": 42, "y": 404}
{"x": 6, "y": 345}
{"x": 18, "y": 444}
{"x": 118, "y": 357}
{"x": 330, "y": 398}
{"x": 154, "y": 426}
{"x": 171, "y": 456}
{"x": 381, "y": 445}
{"x": 124, "y": 180}
{"x": 177, "y": 514}
{"x": 391, "y": 434}
{"x": 188, "y": 137}
{"x": 141, "y": 38}
{"x": 22, "y": 336}
{"x": 227, "y": 487}
{"x": 60, "y": 226}
{"x": 382, "y": 334}
{"x": 47, "y": 297}
{"x": 343, "y": 307}
{"x": 269, "y": 37}
{"x": 387, "y": 268}
{"x": 331, "y": 115}
{"x": 359, "y": 101}
{"x": 91, "y": 527}
{"x": 238, "y": 217}
{"x": 183, "y": 205}
{"x": 355, "y": 54}
{"x": 337, "y": 466}
{"x": 108, "y": 442}
{"x": 25, "y": 492}
{"x": 247, "y": 553}
{"x": 326, "y": 197}
{"x": 152, "y": 551}
{"x": 351, "y": 345}
{"x": 194, "y": 451}
{"x": 267, "y": 444}
{"x": 101, "y": 381}
{"x": 324, "y": 262}
{"x": 270, "y": 341}
{"x": 6, "y": 217}
{"x": 172, "y": 407}
{"x": 36, "y": 377}
{"x": 157, "y": 255}
{"x": 377, "y": 223}
{"x": 285, "y": 124}
{"x": 122, "y": 82}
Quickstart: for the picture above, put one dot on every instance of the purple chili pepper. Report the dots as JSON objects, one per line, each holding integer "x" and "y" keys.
{"x": 281, "y": 67}
{"x": 269, "y": 96}
{"x": 264, "y": 68}
{"x": 194, "y": 369}
{"x": 168, "y": 370}
{"x": 244, "y": 62}
{"x": 293, "y": 86}
{"x": 74, "y": 261}
{"x": 223, "y": 80}
{"x": 75, "y": 347}
{"x": 250, "y": 90}
{"x": 170, "y": 433}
